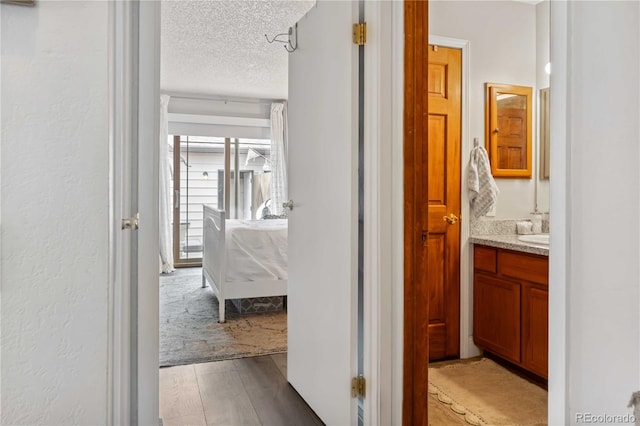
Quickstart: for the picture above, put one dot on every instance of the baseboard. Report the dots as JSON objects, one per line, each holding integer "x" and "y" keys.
{"x": 471, "y": 350}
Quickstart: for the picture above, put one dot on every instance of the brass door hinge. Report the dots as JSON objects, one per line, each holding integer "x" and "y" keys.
{"x": 360, "y": 33}
{"x": 358, "y": 387}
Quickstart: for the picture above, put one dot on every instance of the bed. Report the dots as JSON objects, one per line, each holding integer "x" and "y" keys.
{"x": 243, "y": 258}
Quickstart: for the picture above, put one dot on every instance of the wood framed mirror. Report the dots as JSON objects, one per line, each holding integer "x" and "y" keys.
{"x": 544, "y": 133}
{"x": 508, "y": 126}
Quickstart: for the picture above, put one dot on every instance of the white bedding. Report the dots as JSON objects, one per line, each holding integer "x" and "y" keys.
{"x": 256, "y": 250}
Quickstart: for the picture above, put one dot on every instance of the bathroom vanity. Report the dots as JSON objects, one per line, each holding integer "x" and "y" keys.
{"x": 510, "y": 301}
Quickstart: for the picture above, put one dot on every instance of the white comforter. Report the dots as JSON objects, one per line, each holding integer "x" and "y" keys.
{"x": 256, "y": 250}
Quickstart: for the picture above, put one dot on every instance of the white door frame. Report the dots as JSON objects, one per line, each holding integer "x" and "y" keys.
{"x": 560, "y": 228}
{"x": 378, "y": 208}
{"x": 134, "y": 94}
{"x": 383, "y": 238}
{"x": 148, "y": 206}
{"x": 118, "y": 370}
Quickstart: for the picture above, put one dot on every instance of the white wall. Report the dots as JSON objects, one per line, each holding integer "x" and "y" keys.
{"x": 543, "y": 31}
{"x": 602, "y": 207}
{"x": 502, "y": 36}
{"x": 54, "y": 201}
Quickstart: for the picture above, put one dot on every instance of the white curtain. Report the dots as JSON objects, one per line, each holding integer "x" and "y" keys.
{"x": 166, "y": 249}
{"x": 279, "y": 142}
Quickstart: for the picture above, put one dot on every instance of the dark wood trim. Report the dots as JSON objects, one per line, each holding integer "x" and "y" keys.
{"x": 416, "y": 296}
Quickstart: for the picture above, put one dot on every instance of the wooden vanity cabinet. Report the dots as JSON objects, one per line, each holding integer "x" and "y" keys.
{"x": 510, "y": 306}
{"x": 496, "y": 311}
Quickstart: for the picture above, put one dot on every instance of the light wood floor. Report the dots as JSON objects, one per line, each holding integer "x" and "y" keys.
{"x": 248, "y": 391}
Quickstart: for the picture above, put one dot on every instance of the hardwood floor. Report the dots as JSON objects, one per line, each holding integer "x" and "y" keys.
{"x": 247, "y": 391}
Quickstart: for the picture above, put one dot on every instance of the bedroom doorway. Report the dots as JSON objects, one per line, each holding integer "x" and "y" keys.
{"x": 223, "y": 313}
{"x": 380, "y": 359}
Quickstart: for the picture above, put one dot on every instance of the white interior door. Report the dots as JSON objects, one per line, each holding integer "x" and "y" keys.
{"x": 323, "y": 183}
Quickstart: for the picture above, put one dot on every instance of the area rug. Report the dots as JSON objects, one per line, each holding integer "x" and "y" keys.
{"x": 485, "y": 393}
{"x": 189, "y": 328}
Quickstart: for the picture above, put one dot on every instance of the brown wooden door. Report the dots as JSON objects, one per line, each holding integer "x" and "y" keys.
{"x": 443, "y": 192}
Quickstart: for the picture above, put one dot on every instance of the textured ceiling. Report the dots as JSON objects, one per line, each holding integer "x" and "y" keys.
{"x": 217, "y": 47}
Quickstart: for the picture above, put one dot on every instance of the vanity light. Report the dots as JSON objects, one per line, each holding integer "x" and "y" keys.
{"x": 547, "y": 68}
{"x": 205, "y": 175}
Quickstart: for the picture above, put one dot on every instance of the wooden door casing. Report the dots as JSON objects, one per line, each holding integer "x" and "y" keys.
{"x": 442, "y": 275}
{"x": 416, "y": 298}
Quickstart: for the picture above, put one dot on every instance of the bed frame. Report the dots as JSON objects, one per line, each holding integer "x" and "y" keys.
{"x": 214, "y": 262}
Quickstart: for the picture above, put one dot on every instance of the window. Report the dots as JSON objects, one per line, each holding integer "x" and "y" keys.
{"x": 201, "y": 167}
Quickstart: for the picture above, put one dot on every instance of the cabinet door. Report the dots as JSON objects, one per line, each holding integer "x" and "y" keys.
{"x": 535, "y": 321}
{"x": 496, "y": 316}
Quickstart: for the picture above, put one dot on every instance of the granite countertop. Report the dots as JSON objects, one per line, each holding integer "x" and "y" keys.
{"x": 509, "y": 242}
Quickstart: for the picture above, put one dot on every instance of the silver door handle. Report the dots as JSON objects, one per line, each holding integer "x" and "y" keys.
{"x": 176, "y": 199}
{"x": 288, "y": 205}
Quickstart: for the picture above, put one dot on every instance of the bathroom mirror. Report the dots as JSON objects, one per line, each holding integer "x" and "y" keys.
{"x": 508, "y": 130}
{"x": 544, "y": 133}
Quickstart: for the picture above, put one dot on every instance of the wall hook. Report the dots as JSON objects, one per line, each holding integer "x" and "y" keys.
{"x": 291, "y": 43}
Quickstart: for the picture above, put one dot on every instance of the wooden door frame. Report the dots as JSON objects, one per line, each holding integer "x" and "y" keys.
{"x": 416, "y": 299}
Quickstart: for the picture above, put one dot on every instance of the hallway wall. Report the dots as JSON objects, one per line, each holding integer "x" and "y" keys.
{"x": 54, "y": 199}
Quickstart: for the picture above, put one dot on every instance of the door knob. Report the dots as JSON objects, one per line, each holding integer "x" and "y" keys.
{"x": 450, "y": 218}
{"x": 288, "y": 205}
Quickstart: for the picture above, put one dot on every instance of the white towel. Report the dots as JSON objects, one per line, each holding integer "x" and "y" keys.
{"x": 483, "y": 191}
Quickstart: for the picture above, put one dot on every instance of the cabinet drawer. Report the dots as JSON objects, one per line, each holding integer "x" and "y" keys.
{"x": 528, "y": 267}
{"x": 484, "y": 259}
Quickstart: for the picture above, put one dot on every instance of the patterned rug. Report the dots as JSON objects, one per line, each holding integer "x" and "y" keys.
{"x": 485, "y": 394}
{"x": 189, "y": 328}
